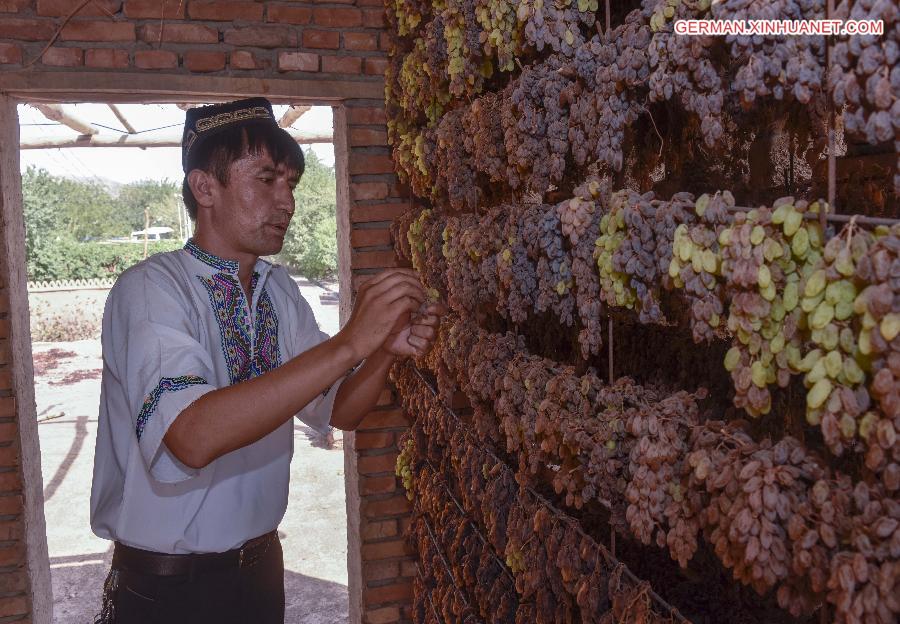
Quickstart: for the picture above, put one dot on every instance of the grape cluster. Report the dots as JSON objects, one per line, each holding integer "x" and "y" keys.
{"x": 878, "y": 304}
{"x": 865, "y": 76}
{"x": 404, "y": 468}
{"x": 556, "y": 24}
{"x": 837, "y": 397}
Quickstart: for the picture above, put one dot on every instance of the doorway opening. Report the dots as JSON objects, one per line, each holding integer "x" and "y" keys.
{"x": 101, "y": 191}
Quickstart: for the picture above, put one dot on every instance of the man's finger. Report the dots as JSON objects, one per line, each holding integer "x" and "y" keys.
{"x": 380, "y": 277}
{"x": 404, "y": 290}
{"x": 394, "y": 281}
{"x": 418, "y": 343}
{"x": 422, "y": 331}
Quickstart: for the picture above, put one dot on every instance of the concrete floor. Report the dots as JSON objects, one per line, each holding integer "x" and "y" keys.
{"x": 314, "y": 530}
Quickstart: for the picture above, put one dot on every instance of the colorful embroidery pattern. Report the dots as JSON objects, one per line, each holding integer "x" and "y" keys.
{"x": 166, "y": 384}
{"x": 227, "y": 299}
{"x": 212, "y": 260}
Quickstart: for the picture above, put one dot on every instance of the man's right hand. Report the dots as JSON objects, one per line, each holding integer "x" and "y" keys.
{"x": 383, "y": 304}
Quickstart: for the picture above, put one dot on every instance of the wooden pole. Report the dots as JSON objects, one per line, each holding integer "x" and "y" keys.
{"x": 55, "y": 112}
{"x": 292, "y": 114}
{"x": 122, "y": 119}
{"x": 146, "y": 227}
{"x": 139, "y": 140}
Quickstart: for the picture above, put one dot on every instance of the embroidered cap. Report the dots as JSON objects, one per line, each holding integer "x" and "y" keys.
{"x": 204, "y": 122}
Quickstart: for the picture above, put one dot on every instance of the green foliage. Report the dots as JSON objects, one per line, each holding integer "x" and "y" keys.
{"x": 66, "y": 259}
{"x": 60, "y": 212}
{"x": 310, "y": 245}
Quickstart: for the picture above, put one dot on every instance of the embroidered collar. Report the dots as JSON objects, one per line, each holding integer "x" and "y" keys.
{"x": 220, "y": 264}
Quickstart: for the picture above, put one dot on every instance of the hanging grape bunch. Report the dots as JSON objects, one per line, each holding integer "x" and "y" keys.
{"x": 763, "y": 256}
{"x": 837, "y": 397}
{"x": 696, "y": 264}
{"x": 865, "y": 76}
{"x": 583, "y": 230}
{"x": 556, "y": 24}
{"x": 879, "y": 340}
{"x": 500, "y": 34}
{"x": 516, "y": 272}
{"x": 614, "y": 287}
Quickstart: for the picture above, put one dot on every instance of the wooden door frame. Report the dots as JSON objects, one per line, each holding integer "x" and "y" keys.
{"x": 135, "y": 87}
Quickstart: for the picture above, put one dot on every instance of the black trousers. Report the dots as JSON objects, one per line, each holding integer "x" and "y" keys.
{"x": 239, "y": 595}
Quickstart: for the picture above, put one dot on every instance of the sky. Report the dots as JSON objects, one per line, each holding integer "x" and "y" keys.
{"x": 131, "y": 164}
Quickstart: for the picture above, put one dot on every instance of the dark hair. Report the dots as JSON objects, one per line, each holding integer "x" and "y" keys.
{"x": 216, "y": 154}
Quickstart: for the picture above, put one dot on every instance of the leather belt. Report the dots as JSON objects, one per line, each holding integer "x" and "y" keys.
{"x": 163, "y": 564}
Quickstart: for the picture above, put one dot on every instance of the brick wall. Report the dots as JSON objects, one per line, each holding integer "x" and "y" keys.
{"x": 117, "y": 50}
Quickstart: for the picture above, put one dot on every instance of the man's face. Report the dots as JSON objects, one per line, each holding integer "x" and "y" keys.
{"x": 254, "y": 209}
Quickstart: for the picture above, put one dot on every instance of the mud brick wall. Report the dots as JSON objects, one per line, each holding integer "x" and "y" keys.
{"x": 147, "y": 50}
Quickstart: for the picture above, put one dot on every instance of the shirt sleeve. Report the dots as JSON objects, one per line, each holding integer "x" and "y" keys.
{"x": 317, "y": 413}
{"x": 161, "y": 365}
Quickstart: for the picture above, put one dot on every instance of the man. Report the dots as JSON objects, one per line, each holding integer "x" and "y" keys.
{"x": 208, "y": 354}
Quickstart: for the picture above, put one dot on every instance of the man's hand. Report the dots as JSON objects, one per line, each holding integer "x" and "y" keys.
{"x": 415, "y": 337}
{"x": 383, "y": 305}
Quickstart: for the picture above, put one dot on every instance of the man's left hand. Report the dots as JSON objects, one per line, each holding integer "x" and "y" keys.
{"x": 416, "y": 337}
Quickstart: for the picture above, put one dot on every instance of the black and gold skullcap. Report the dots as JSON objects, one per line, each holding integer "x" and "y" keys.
{"x": 204, "y": 122}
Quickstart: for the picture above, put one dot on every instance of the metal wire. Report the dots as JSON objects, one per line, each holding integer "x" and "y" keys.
{"x": 440, "y": 553}
{"x": 427, "y": 593}
{"x": 475, "y": 528}
{"x": 561, "y": 516}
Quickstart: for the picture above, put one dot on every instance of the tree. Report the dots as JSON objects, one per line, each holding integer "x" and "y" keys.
{"x": 160, "y": 196}
{"x": 310, "y": 245}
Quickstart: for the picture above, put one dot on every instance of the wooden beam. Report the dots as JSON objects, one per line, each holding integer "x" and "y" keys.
{"x": 147, "y": 88}
{"x": 138, "y": 140}
{"x": 55, "y": 112}
{"x": 121, "y": 118}
{"x": 292, "y": 114}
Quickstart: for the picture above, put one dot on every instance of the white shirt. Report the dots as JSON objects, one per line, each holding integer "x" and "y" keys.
{"x": 175, "y": 327}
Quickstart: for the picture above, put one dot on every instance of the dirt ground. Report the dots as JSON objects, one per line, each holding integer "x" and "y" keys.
{"x": 313, "y": 532}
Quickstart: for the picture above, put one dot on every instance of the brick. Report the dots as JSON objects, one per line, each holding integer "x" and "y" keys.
{"x": 376, "y": 66}
{"x": 244, "y": 59}
{"x": 322, "y": 39}
{"x": 5, "y": 379}
{"x": 369, "y": 465}
{"x": 384, "y": 550}
{"x": 203, "y": 61}
{"x": 155, "y": 59}
{"x": 364, "y": 213}
{"x": 4, "y": 326}
{"x": 26, "y": 29}
{"x": 13, "y": 605}
{"x": 341, "y": 64}
{"x": 7, "y": 407}
{"x": 14, "y": 6}
{"x": 387, "y": 593}
{"x": 298, "y": 61}
{"x": 384, "y": 41}
{"x": 373, "y": 18}
{"x": 10, "y": 54}
{"x": 178, "y": 33}
{"x": 360, "y": 41}
{"x": 408, "y": 568}
{"x": 394, "y": 506}
{"x": 362, "y": 3}
{"x": 262, "y": 37}
{"x": 374, "y": 440}
{"x": 378, "y": 485}
{"x": 364, "y": 137}
{"x": 63, "y": 57}
{"x": 8, "y": 431}
{"x": 288, "y": 14}
{"x": 225, "y": 10}
{"x": 96, "y": 8}
{"x": 10, "y": 505}
{"x": 384, "y": 419}
{"x": 155, "y": 9}
{"x": 10, "y": 482}
{"x": 370, "y": 238}
{"x": 376, "y": 260}
{"x": 338, "y": 17}
{"x": 106, "y": 58}
{"x": 98, "y": 31}
{"x": 381, "y": 570}
{"x": 378, "y": 530}
{"x": 383, "y": 615}
{"x": 371, "y": 164}
{"x": 369, "y": 190}
{"x": 14, "y": 581}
